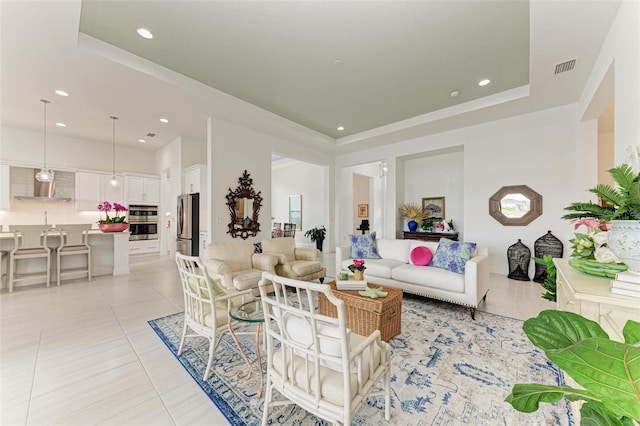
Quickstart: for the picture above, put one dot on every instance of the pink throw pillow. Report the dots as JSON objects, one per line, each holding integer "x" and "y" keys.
{"x": 421, "y": 256}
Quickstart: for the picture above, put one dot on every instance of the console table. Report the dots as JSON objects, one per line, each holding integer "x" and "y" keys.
{"x": 590, "y": 297}
{"x": 430, "y": 236}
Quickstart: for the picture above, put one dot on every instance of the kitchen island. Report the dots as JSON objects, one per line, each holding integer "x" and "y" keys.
{"x": 109, "y": 255}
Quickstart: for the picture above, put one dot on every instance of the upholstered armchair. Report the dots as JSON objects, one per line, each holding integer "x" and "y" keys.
{"x": 235, "y": 264}
{"x": 298, "y": 263}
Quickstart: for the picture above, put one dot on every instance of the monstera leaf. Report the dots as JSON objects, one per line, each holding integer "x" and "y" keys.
{"x": 608, "y": 370}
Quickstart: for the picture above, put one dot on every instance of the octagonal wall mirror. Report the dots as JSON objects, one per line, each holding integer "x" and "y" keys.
{"x": 516, "y": 205}
{"x": 244, "y": 208}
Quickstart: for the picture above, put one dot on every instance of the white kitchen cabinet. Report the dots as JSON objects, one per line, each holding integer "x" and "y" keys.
{"x": 140, "y": 189}
{"x": 5, "y": 187}
{"x": 144, "y": 246}
{"x": 94, "y": 188}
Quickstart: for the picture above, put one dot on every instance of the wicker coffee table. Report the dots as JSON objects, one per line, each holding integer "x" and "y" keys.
{"x": 364, "y": 315}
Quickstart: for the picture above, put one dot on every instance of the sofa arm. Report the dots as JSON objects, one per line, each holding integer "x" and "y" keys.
{"x": 307, "y": 254}
{"x": 264, "y": 262}
{"x": 342, "y": 253}
{"x": 476, "y": 276}
{"x": 220, "y": 271}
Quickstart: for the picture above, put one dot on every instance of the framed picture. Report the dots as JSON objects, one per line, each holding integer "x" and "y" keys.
{"x": 363, "y": 210}
{"x": 435, "y": 207}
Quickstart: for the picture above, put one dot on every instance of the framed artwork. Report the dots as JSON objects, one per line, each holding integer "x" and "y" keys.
{"x": 295, "y": 211}
{"x": 363, "y": 210}
{"x": 435, "y": 207}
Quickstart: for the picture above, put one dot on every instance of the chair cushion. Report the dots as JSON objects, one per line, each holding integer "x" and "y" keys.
{"x": 305, "y": 267}
{"x": 452, "y": 255}
{"x": 332, "y": 386}
{"x": 30, "y": 251}
{"x": 364, "y": 246}
{"x": 246, "y": 279}
{"x": 237, "y": 254}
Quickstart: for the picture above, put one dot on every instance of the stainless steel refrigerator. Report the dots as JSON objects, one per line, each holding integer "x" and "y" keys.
{"x": 188, "y": 224}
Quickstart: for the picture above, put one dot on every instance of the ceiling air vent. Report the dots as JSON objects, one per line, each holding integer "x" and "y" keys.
{"x": 151, "y": 135}
{"x": 565, "y": 66}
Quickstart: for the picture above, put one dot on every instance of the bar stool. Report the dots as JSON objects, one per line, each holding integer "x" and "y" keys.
{"x": 73, "y": 241}
{"x": 3, "y": 270}
{"x": 29, "y": 242}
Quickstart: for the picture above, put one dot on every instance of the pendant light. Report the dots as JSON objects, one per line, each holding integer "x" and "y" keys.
{"x": 45, "y": 174}
{"x": 114, "y": 181}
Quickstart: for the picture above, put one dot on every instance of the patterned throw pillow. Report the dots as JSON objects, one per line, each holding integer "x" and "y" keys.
{"x": 364, "y": 246}
{"x": 452, "y": 255}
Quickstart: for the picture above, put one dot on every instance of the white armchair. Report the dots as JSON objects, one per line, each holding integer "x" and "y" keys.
{"x": 313, "y": 360}
{"x": 298, "y": 263}
{"x": 235, "y": 264}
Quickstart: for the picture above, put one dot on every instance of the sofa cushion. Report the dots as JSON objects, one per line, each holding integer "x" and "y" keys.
{"x": 394, "y": 249}
{"x": 429, "y": 276}
{"x": 452, "y": 255}
{"x": 421, "y": 256}
{"x": 364, "y": 246}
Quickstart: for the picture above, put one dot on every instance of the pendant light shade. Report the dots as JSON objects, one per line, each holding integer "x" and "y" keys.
{"x": 114, "y": 180}
{"x": 45, "y": 174}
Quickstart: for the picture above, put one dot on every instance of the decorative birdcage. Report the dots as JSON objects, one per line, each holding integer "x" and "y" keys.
{"x": 519, "y": 257}
{"x": 547, "y": 244}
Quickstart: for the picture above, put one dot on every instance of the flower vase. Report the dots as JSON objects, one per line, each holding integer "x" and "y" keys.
{"x": 113, "y": 227}
{"x": 413, "y": 225}
{"x": 624, "y": 241}
{"x": 358, "y": 275}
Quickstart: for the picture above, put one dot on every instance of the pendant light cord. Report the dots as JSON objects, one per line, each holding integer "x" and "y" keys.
{"x": 45, "y": 102}
{"x": 114, "y": 145}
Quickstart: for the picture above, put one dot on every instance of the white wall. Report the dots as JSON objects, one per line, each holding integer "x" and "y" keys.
{"x": 25, "y": 147}
{"x": 534, "y": 149}
{"x": 362, "y": 189}
{"x": 437, "y": 176}
{"x": 233, "y": 149}
{"x": 297, "y": 177}
{"x": 168, "y": 162}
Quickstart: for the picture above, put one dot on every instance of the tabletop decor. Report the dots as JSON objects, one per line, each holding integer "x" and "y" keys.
{"x": 115, "y": 223}
{"x": 358, "y": 269}
{"x": 621, "y": 208}
{"x": 413, "y": 212}
{"x": 591, "y": 253}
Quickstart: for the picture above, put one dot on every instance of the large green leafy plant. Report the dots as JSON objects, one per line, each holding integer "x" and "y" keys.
{"x": 621, "y": 203}
{"x": 549, "y": 283}
{"x": 608, "y": 371}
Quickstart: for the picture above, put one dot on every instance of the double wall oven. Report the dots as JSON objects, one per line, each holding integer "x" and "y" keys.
{"x": 143, "y": 222}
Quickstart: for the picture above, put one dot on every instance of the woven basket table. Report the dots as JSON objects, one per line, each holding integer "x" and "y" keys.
{"x": 364, "y": 315}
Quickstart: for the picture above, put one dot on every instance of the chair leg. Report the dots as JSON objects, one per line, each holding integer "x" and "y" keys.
{"x": 184, "y": 336}
{"x": 89, "y": 265}
{"x": 267, "y": 401}
{"x": 49, "y": 270}
{"x": 387, "y": 394}
{"x": 58, "y": 262}
{"x": 11, "y": 268}
{"x": 212, "y": 351}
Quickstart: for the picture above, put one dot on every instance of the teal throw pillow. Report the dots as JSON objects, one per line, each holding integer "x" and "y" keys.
{"x": 364, "y": 246}
{"x": 452, "y": 255}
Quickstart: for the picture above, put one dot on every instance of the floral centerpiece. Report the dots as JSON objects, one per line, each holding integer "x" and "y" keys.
{"x": 115, "y": 223}
{"x": 357, "y": 267}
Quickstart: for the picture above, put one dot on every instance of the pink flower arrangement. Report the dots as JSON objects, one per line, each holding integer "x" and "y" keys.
{"x": 357, "y": 265}
{"x": 591, "y": 223}
{"x": 106, "y": 207}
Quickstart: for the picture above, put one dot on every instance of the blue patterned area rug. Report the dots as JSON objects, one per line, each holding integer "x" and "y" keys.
{"x": 446, "y": 370}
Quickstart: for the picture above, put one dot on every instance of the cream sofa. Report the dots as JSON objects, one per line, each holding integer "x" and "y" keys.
{"x": 395, "y": 269}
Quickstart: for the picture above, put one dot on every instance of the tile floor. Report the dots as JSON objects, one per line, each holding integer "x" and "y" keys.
{"x": 84, "y": 354}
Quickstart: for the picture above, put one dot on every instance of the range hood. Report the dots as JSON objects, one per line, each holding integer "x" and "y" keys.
{"x": 43, "y": 191}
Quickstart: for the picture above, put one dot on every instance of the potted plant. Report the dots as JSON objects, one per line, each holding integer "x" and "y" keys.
{"x": 621, "y": 208}
{"x": 317, "y": 234}
{"x": 609, "y": 371}
{"x": 413, "y": 212}
{"x": 115, "y": 223}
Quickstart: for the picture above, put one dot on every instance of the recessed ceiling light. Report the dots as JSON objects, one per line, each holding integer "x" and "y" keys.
{"x": 61, "y": 125}
{"x": 338, "y": 62}
{"x": 61, "y": 93}
{"x": 142, "y": 141}
{"x": 484, "y": 82}
{"x": 455, "y": 93}
{"x": 145, "y": 33}
{"x": 164, "y": 120}
{"x": 340, "y": 128}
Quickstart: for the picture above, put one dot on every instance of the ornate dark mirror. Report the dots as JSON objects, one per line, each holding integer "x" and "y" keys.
{"x": 244, "y": 206}
{"x": 516, "y": 205}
